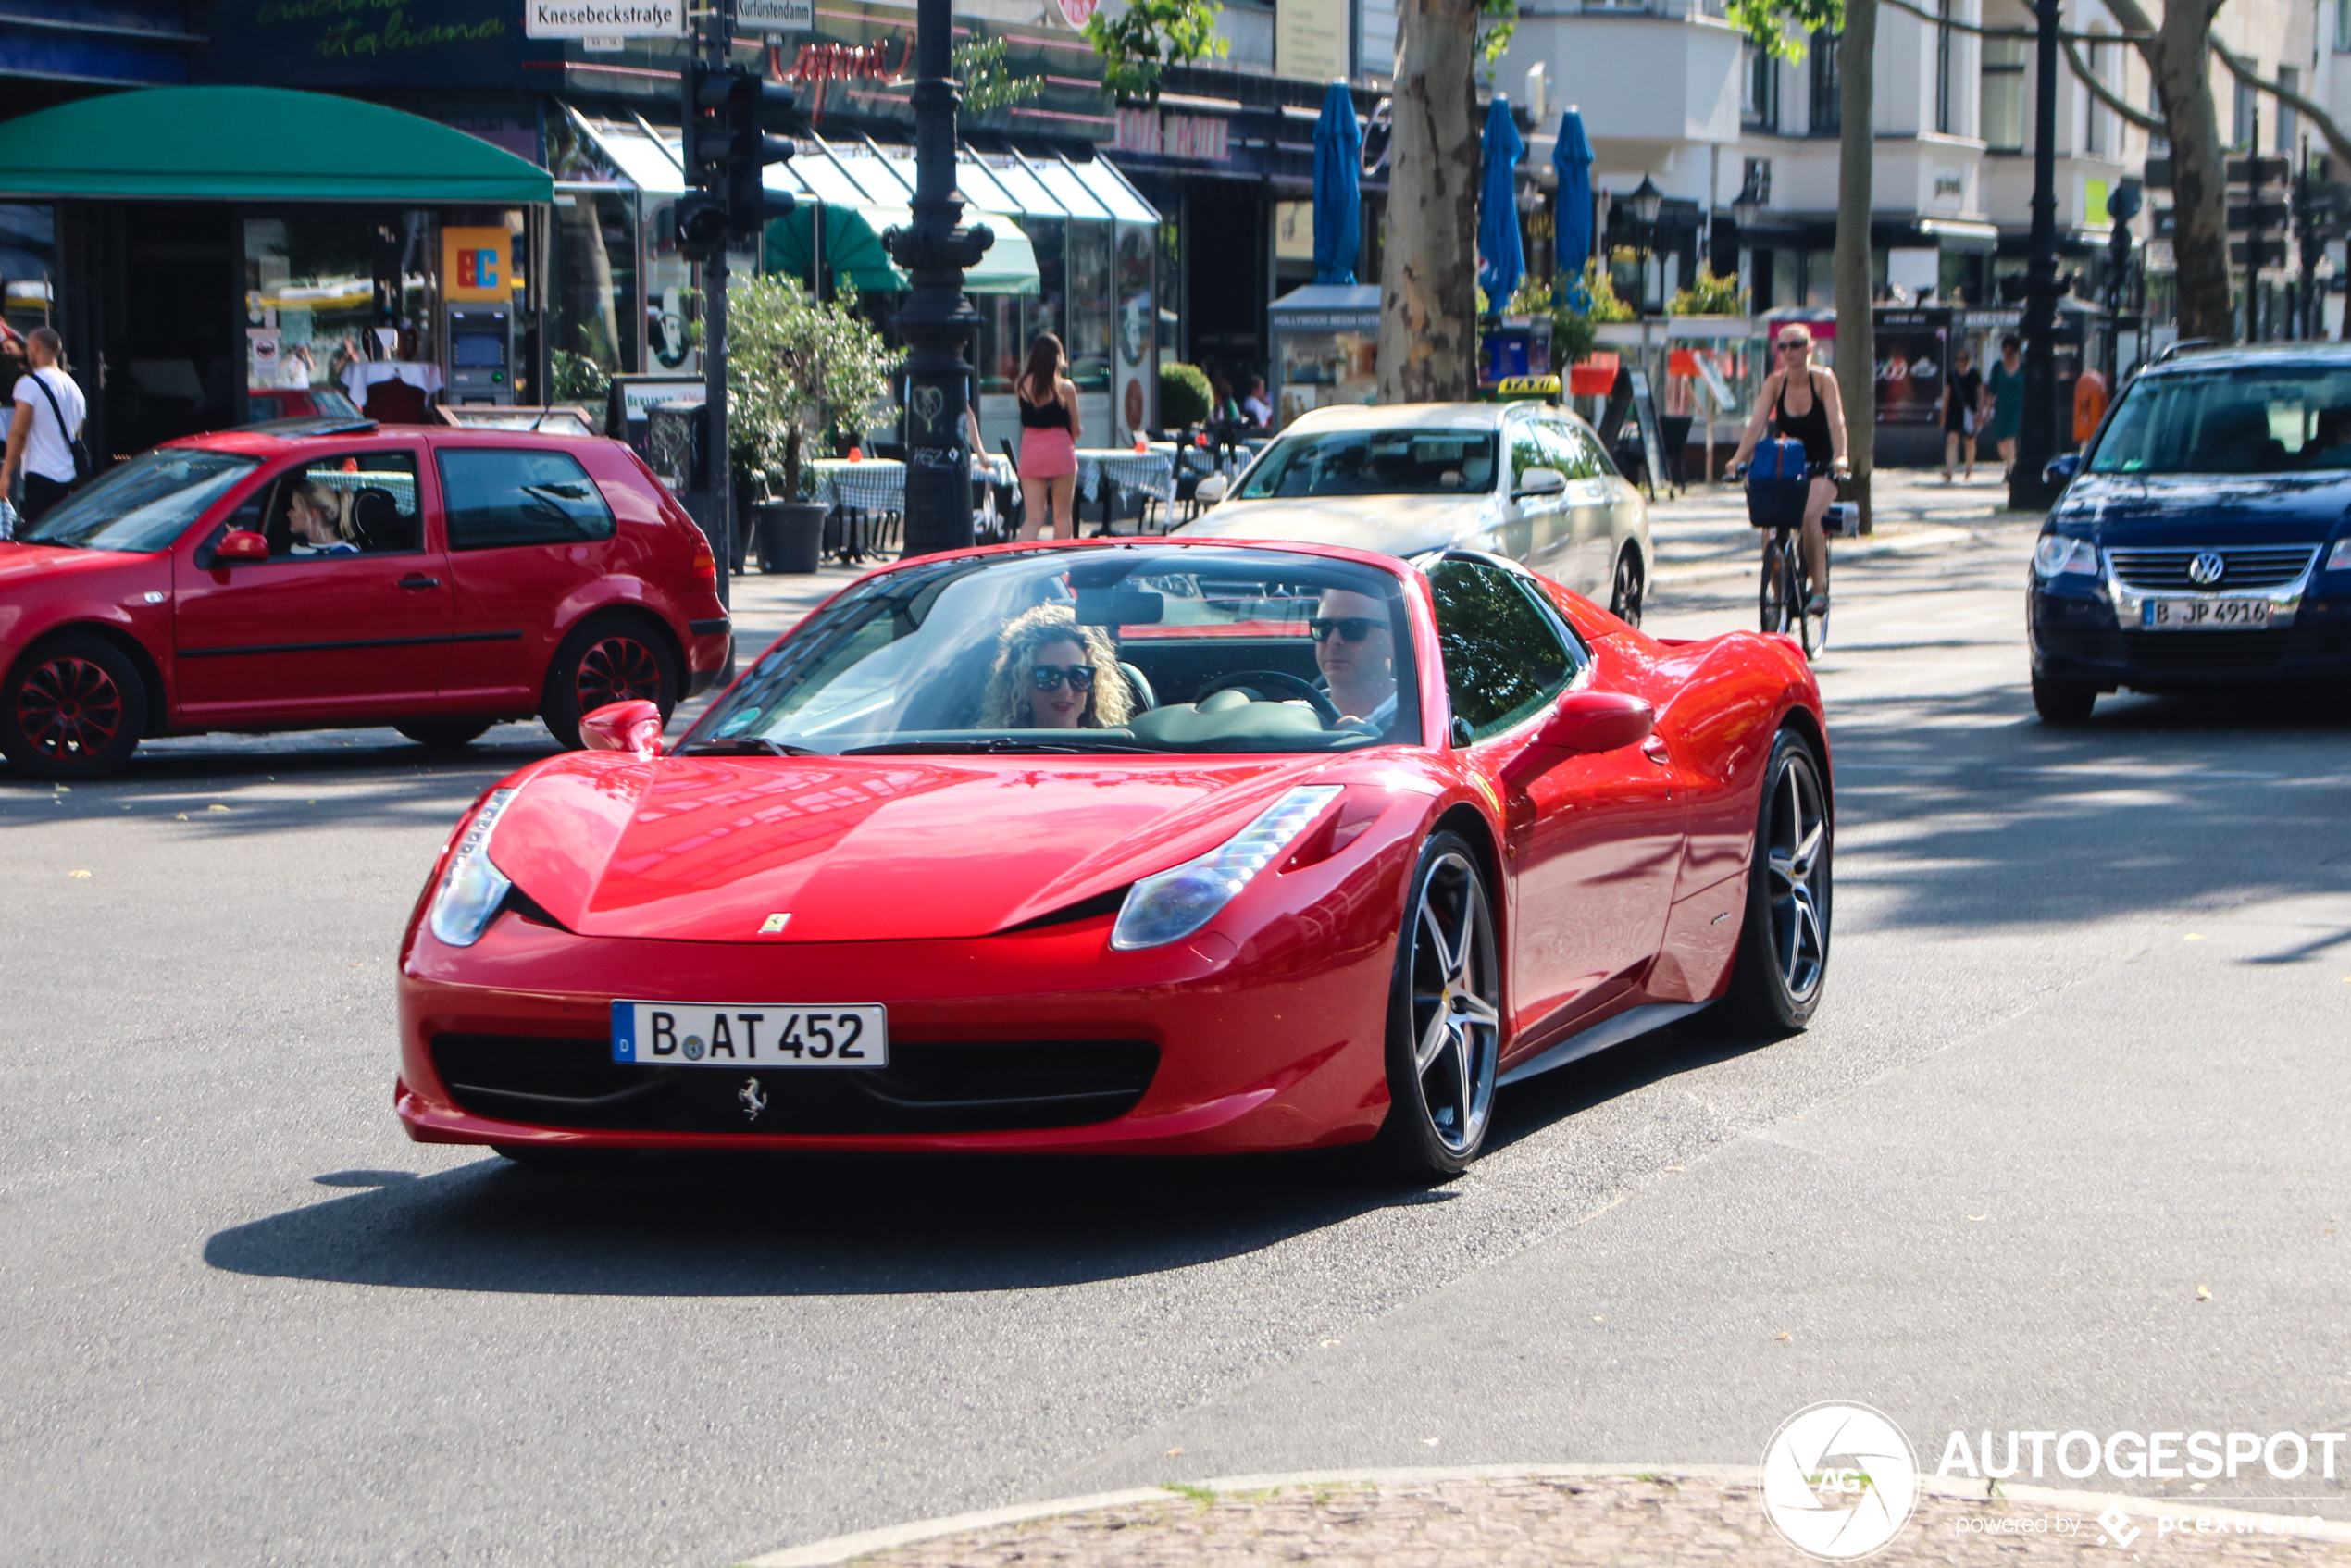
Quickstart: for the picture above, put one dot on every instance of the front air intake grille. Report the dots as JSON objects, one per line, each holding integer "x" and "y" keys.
{"x": 2245, "y": 567}
{"x": 2193, "y": 653}
{"x": 978, "y": 1086}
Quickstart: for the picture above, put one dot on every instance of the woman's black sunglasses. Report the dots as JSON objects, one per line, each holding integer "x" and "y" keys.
{"x": 1354, "y": 628}
{"x": 1049, "y": 677}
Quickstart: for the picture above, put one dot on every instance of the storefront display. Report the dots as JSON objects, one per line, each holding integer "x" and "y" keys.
{"x": 1325, "y": 348}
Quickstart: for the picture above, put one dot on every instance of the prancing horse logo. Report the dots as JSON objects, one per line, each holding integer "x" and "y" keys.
{"x": 753, "y": 1099}
{"x": 2208, "y": 568}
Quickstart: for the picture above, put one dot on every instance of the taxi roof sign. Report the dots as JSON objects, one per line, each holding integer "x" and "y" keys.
{"x": 1527, "y": 386}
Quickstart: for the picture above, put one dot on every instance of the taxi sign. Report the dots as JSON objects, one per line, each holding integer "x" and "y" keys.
{"x": 1527, "y": 386}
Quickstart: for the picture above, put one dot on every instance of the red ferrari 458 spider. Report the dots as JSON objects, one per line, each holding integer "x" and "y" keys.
{"x": 1129, "y": 846}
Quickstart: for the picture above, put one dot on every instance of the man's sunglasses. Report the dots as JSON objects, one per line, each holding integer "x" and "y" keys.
{"x": 1049, "y": 677}
{"x": 1354, "y": 628}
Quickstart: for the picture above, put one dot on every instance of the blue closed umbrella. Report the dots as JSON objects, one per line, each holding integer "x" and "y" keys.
{"x": 1502, "y": 261}
{"x": 1338, "y": 164}
{"x": 1572, "y": 158}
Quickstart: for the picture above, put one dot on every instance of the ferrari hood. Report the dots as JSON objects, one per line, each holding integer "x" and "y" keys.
{"x": 859, "y": 848}
{"x": 1390, "y": 525}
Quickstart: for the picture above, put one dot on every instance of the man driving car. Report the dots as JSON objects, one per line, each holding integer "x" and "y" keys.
{"x": 1356, "y": 652}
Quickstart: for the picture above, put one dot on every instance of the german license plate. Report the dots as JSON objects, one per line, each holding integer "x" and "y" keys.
{"x": 2205, "y": 615}
{"x": 703, "y": 1034}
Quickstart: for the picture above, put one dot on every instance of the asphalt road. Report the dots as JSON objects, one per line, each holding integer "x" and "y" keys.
{"x": 2065, "y": 1149}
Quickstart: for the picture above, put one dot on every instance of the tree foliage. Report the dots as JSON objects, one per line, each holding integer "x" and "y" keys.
{"x": 1184, "y": 396}
{"x": 795, "y": 368}
{"x": 1149, "y": 36}
{"x": 1780, "y": 26}
{"x": 979, "y": 66}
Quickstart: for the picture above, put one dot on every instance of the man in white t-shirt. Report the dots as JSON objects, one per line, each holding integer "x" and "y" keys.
{"x": 48, "y": 414}
{"x": 1259, "y": 412}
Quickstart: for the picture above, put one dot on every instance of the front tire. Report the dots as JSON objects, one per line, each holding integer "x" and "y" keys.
{"x": 444, "y": 734}
{"x": 2063, "y": 701}
{"x": 1625, "y": 595}
{"x": 74, "y": 709}
{"x": 1445, "y": 1020}
{"x": 1784, "y": 942}
{"x": 608, "y": 660}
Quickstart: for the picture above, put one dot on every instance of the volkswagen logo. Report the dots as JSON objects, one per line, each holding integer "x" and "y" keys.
{"x": 2208, "y": 568}
{"x": 752, "y": 1099}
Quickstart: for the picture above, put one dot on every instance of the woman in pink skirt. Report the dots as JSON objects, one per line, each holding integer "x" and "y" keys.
{"x": 1049, "y": 432}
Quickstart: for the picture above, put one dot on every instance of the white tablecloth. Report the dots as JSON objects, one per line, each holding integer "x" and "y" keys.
{"x": 1153, "y": 473}
{"x": 421, "y": 374}
{"x": 878, "y": 484}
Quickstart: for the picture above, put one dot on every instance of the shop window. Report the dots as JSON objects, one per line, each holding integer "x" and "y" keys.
{"x": 495, "y": 499}
{"x": 2004, "y": 95}
{"x": 355, "y": 503}
{"x": 594, "y": 310}
{"x": 339, "y": 299}
{"x": 1089, "y": 339}
{"x": 28, "y": 262}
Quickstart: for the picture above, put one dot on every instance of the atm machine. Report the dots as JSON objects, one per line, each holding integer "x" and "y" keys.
{"x": 480, "y": 346}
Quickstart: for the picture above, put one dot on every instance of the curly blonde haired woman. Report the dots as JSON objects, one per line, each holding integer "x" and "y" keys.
{"x": 1050, "y": 673}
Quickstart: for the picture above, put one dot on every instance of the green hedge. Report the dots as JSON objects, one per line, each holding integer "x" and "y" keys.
{"x": 1184, "y": 395}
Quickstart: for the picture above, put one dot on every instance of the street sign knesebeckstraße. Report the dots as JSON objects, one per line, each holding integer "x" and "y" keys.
{"x": 603, "y": 19}
{"x": 776, "y": 16}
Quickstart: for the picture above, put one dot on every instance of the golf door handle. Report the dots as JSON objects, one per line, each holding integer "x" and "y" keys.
{"x": 419, "y": 581}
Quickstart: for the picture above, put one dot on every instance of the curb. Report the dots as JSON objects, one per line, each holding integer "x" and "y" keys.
{"x": 839, "y": 1550}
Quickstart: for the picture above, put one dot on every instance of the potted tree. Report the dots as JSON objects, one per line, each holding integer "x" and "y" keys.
{"x": 796, "y": 367}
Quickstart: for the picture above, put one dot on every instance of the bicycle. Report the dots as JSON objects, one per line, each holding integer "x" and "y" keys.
{"x": 1785, "y": 594}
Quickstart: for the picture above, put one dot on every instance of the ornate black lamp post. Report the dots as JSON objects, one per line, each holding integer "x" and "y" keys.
{"x": 2037, "y": 442}
{"x": 1647, "y": 202}
{"x": 937, "y": 320}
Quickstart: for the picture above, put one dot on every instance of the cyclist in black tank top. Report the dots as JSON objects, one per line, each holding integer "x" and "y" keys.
{"x": 1821, "y": 426}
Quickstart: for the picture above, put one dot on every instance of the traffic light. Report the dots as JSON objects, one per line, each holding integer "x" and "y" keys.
{"x": 701, "y": 223}
{"x": 732, "y": 150}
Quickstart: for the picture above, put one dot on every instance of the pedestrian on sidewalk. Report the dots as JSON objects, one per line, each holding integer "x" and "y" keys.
{"x": 1963, "y": 409}
{"x": 1050, "y": 431}
{"x": 2007, "y": 390}
{"x": 43, "y": 428}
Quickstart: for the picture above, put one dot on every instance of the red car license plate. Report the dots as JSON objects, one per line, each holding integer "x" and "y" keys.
{"x": 706, "y": 1034}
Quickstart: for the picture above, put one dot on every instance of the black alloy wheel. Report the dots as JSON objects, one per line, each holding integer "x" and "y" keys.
{"x": 1783, "y": 940}
{"x": 1625, "y": 595}
{"x": 612, "y": 659}
{"x": 74, "y": 708}
{"x": 1445, "y": 1020}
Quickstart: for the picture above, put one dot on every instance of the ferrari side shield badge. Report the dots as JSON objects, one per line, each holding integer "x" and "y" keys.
{"x": 774, "y": 923}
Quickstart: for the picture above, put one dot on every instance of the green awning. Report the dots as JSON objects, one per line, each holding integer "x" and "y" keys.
{"x": 256, "y": 144}
{"x": 853, "y": 251}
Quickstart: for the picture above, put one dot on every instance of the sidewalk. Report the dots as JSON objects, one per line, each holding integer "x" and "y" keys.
{"x": 1539, "y": 1516}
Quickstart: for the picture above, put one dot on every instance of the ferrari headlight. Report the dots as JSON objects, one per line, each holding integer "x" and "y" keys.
{"x": 472, "y": 889}
{"x": 2056, "y": 553}
{"x": 1179, "y": 901}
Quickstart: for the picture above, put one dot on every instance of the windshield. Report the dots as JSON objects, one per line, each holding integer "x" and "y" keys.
{"x": 144, "y": 503}
{"x": 2257, "y": 419}
{"x": 1128, "y": 649}
{"x": 1375, "y": 463}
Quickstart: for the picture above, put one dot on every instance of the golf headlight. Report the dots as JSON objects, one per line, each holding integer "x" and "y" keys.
{"x": 472, "y": 889}
{"x": 1179, "y": 901}
{"x": 2056, "y": 553}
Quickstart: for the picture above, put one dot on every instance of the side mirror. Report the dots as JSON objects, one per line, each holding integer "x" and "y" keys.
{"x": 1584, "y": 723}
{"x": 238, "y": 544}
{"x": 1540, "y": 482}
{"x": 2062, "y": 470}
{"x": 1210, "y": 491}
{"x": 633, "y": 726}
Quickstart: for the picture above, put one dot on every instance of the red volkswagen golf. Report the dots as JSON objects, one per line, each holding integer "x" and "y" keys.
{"x": 437, "y": 580}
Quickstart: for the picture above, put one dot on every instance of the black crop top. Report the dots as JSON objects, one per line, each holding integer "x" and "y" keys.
{"x": 1049, "y": 415}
